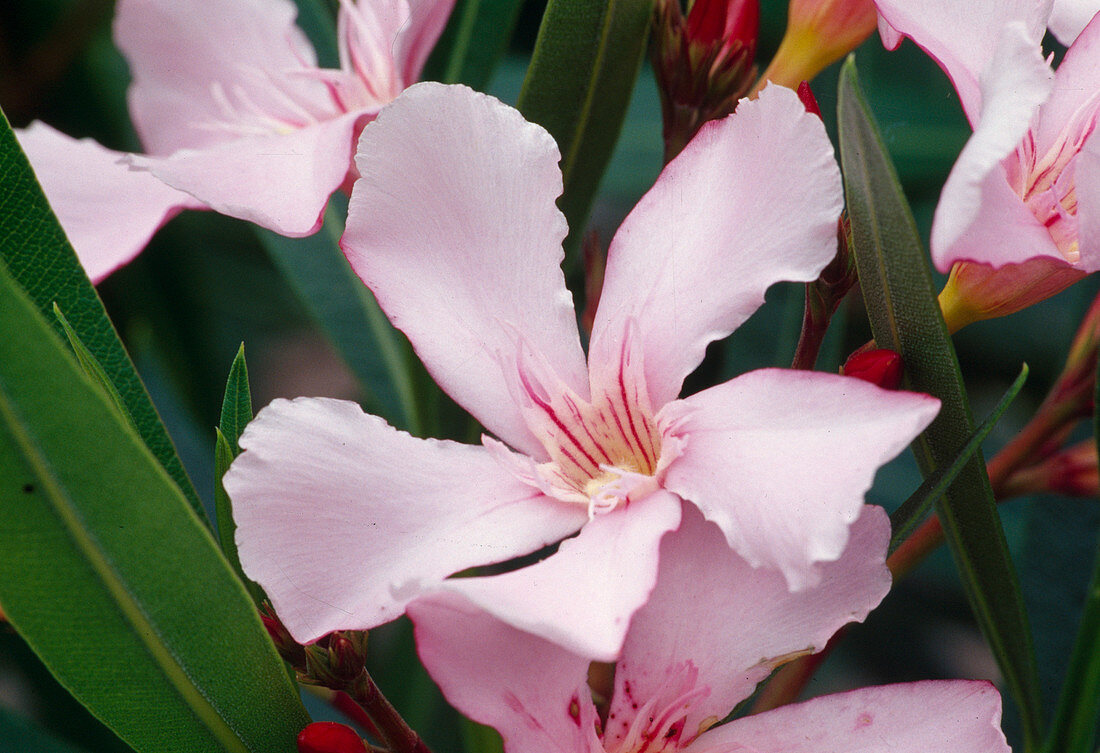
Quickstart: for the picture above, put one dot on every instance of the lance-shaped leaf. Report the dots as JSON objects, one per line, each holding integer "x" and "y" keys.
{"x": 578, "y": 86}
{"x": 236, "y": 413}
{"x": 109, "y": 575}
{"x": 473, "y": 43}
{"x": 912, "y": 511}
{"x": 39, "y": 257}
{"x": 901, "y": 304}
{"x": 1075, "y": 722}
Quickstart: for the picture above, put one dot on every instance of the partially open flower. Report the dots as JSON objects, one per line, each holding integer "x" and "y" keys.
{"x": 1019, "y": 216}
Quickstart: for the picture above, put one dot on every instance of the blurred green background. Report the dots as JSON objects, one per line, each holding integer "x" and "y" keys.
{"x": 205, "y": 284}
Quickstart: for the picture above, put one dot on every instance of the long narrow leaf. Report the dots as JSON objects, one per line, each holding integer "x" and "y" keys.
{"x": 91, "y": 366}
{"x": 39, "y": 257}
{"x": 237, "y": 402}
{"x": 901, "y": 304}
{"x": 1074, "y": 727}
{"x": 578, "y": 87}
{"x": 236, "y": 413}
{"x": 913, "y": 510}
{"x": 474, "y": 42}
{"x": 109, "y": 575}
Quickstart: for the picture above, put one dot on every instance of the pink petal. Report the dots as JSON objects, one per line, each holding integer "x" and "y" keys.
{"x": 1087, "y": 176}
{"x": 1069, "y": 17}
{"x": 945, "y": 715}
{"x": 781, "y": 459}
{"x": 278, "y": 181}
{"x": 343, "y": 519}
{"x": 200, "y": 68}
{"x": 530, "y": 690}
{"x": 414, "y": 43}
{"x": 891, "y": 37}
{"x": 108, "y": 211}
{"x": 962, "y": 36}
{"x": 582, "y": 597}
{"x": 980, "y": 217}
{"x": 1076, "y": 88}
{"x": 453, "y": 226}
{"x": 752, "y": 200}
{"x": 733, "y": 623}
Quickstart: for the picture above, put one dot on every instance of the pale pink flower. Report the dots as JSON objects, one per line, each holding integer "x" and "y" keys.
{"x": 345, "y": 520}
{"x": 1020, "y": 211}
{"x": 235, "y": 115}
{"x": 712, "y": 629}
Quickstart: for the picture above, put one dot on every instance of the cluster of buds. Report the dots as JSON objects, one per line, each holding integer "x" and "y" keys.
{"x": 703, "y": 63}
{"x": 1037, "y": 459}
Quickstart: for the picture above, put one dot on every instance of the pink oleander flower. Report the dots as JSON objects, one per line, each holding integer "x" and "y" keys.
{"x": 345, "y": 520}
{"x": 235, "y": 115}
{"x": 1019, "y": 216}
{"x": 712, "y": 629}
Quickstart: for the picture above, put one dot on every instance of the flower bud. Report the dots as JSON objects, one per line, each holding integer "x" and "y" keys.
{"x": 819, "y": 32}
{"x": 329, "y": 737}
{"x": 976, "y": 291}
{"x": 881, "y": 367}
{"x": 809, "y": 101}
{"x": 288, "y": 648}
{"x": 703, "y": 63}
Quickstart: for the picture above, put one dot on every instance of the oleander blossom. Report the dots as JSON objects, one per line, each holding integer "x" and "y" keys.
{"x": 1019, "y": 216}
{"x": 344, "y": 520}
{"x": 712, "y": 629}
{"x": 235, "y": 115}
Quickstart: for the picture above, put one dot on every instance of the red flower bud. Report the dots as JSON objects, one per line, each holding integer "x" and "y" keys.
{"x": 725, "y": 21}
{"x": 809, "y": 101}
{"x": 881, "y": 367}
{"x": 329, "y": 737}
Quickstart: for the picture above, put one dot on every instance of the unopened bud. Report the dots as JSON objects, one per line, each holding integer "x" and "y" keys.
{"x": 289, "y": 649}
{"x": 348, "y": 653}
{"x": 330, "y": 737}
{"x": 809, "y": 101}
{"x": 703, "y": 63}
{"x": 881, "y": 367}
{"x": 727, "y": 23}
{"x": 819, "y": 32}
{"x": 976, "y": 291}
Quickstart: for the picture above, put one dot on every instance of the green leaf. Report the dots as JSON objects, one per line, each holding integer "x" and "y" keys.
{"x": 39, "y": 257}
{"x": 578, "y": 87}
{"x": 1074, "y": 727}
{"x": 901, "y": 304}
{"x": 913, "y": 510}
{"x": 345, "y": 309}
{"x": 236, "y": 413}
{"x": 91, "y": 366}
{"x": 110, "y": 576}
{"x": 237, "y": 403}
{"x": 474, "y": 42}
